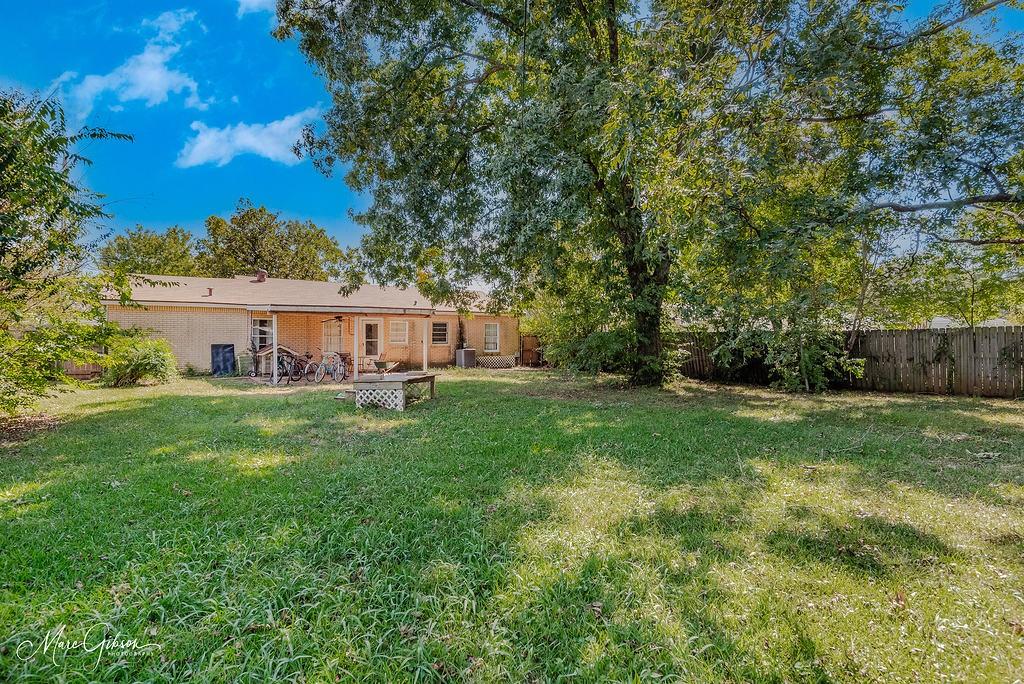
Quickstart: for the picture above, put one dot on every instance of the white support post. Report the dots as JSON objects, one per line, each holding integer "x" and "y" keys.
{"x": 273, "y": 336}
{"x": 426, "y": 331}
{"x": 355, "y": 351}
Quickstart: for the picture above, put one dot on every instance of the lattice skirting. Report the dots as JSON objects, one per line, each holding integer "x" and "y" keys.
{"x": 385, "y": 398}
{"x": 496, "y": 361}
{"x": 414, "y": 391}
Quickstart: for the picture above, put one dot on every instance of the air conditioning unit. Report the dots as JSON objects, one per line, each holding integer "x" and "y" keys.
{"x": 465, "y": 358}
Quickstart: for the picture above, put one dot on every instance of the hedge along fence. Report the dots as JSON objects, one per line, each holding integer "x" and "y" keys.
{"x": 986, "y": 362}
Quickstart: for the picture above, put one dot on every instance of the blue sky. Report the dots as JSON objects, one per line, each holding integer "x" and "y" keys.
{"x": 213, "y": 101}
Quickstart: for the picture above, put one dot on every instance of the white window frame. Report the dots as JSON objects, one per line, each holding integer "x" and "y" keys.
{"x": 497, "y": 337}
{"x": 447, "y": 334}
{"x": 326, "y": 348}
{"x": 265, "y": 330}
{"x": 403, "y": 338}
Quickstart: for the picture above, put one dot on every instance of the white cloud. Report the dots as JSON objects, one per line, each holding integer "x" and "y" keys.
{"x": 247, "y": 6}
{"x": 170, "y": 23}
{"x": 219, "y": 146}
{"x": 145, "y": 76}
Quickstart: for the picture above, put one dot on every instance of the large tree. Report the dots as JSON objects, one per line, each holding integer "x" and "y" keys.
{"x": 861, "y": 143}
{"x": 142, "y": 250}
{"x": 255, "y": 238}
{"x": 509, "y": 141}
{"x": 49, "y": 305}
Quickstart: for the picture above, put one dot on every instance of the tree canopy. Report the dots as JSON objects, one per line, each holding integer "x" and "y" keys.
{"x": 752, "y": 165}
{"x": 252, "y": 238}
{"x": 255, "y": 237}
{"x": 143, "y": 250}
{"x": 49, "y": 306}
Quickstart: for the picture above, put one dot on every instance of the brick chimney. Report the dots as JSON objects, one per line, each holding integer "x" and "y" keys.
{"x": 261, "y": 276}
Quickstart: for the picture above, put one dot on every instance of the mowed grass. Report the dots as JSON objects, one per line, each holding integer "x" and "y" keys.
{"x": 521, "y": 527}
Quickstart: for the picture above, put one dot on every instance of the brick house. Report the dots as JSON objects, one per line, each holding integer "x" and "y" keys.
{"x": 389, "y": 323}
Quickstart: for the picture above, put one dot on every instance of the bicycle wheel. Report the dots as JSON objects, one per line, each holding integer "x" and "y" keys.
{"x": 321, "y": 371}
{"x": 294, "y": 371}
{"x": 309, "y": 372}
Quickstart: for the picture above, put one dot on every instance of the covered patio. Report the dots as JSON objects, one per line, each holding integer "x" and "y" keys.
{"x": 406, "y": 340}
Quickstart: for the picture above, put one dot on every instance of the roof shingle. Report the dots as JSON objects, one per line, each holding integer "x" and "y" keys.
{"x": 273, "y": 293}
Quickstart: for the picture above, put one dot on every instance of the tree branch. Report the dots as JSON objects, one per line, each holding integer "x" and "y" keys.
{"x": 978, "y": 242}
{"x": 935, "y": 29}
{"x": 491, "y": 14}
{"x": 856, "y": 116}
{"x": 587, "y": 21}
{"x": 477, "y": 80}
{"x": 611, "y": 21}
{"x": 994, "y": 198}
{"x": 987, "y": 170}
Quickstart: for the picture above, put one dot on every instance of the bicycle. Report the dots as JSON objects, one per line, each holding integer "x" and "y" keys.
{"x": 287, "y": 369}
{"x": 335, "y": 365}
{"x": 309, "y": 370}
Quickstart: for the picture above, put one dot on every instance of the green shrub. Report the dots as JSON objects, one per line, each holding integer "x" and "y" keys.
{"x": 132, "y": 359}
{"x": 793, "y": 360}
{"x": 192, "y": 372}
{"x": 809, "y": 361}
{"x": 599, "y": 351}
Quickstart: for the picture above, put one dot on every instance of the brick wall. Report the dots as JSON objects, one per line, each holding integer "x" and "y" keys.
{"x": 508, "y": 334}
{"x": 190, "y": 330}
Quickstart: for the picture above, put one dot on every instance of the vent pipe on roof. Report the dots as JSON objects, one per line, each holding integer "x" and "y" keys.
{"x": 209, "y": 292}
{"x": 261, "y": 275}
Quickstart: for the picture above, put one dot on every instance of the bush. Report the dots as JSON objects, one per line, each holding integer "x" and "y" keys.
{"x": 132, "y": 359}
{"x": 809, "y": 361}
{"x": 598, "y": 351}
{"x": 192, "y": 372}
{"x": 792, "y": 360}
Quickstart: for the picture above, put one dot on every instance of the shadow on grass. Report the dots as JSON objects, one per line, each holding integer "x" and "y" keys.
{"x": 870, "y": 545}
{"x": 262, "y": 532}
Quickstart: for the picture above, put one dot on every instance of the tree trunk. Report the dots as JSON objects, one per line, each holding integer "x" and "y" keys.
{"x": 647, "y": 271}
{"x": 648, "y": 360}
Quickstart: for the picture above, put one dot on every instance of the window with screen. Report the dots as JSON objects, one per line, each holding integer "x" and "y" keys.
{"x": 332, "y": 336}
{"x": 399, "y": 332}
{"x": 439, "y": 333}
{"x": 490, "y": 337}
{"x": 262, "y": 331}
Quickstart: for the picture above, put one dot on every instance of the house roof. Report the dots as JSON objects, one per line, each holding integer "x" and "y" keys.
{"x": 278, "y": 294}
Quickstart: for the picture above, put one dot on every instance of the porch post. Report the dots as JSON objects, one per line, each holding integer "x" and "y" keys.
{"x": 426, "y": 326}
{"x": 273, "y": 335}
{"x": 355, "y": 351}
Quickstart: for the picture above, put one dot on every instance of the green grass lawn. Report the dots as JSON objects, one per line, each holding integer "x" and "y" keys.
{"x": 520, "y": 527}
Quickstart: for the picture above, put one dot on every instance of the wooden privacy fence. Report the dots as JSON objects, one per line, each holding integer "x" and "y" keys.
{"x": 987, "y": 362}
{"x": 84, "y": 371}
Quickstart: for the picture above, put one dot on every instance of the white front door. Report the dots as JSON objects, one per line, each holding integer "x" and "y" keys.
{"x": 371, "y": 339}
